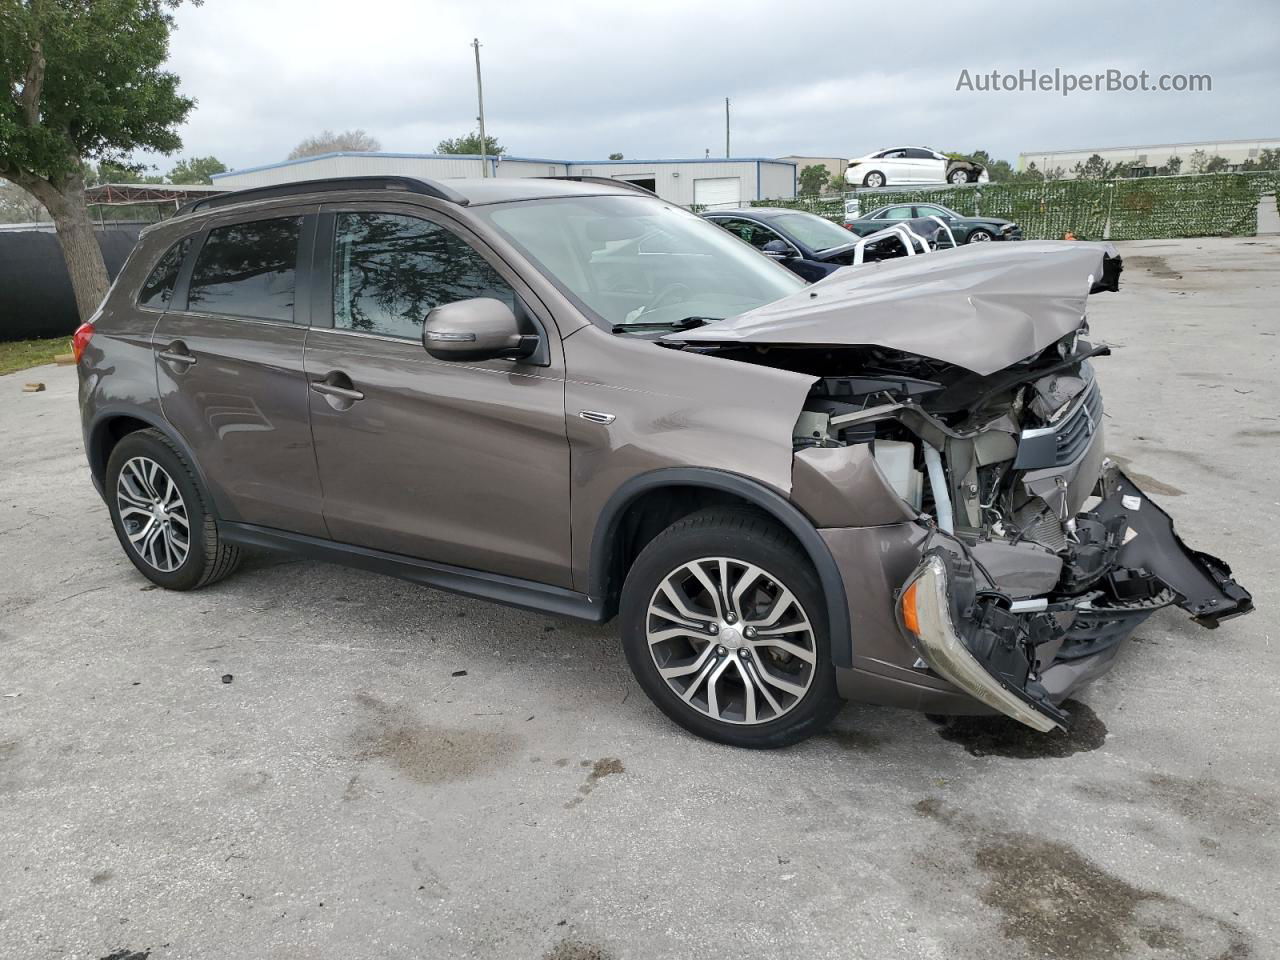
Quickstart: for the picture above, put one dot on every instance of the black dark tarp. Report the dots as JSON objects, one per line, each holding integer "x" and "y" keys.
{"x": 35, "y": 289}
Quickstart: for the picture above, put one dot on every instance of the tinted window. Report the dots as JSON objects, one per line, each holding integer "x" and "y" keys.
{"x": 159, "y": 286}
{"x": 247, "y": 270}
{"x": 389, "y": 271}
{"x": 917, "y": 154}
{"x": 930, "y": 211}
{"x": 895, "y": 213}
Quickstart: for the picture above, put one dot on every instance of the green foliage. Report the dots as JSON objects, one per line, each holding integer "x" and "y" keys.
{"x": 20, "y": 354}
{"x": 1197, "y": 162}
{"x": 813, "y": 178}
{"x": 615, "y": 156}
{"x": 470, "y": 144}
{"x": 196, "y": 170}
{"x": 326, "y": 141}
{"x": 1135, "y": 209}
{"x": 83, "y": 81}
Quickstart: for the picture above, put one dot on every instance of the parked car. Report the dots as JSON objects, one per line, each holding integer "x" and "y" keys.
{"x": 578, "y": 398}
{"x": 965, "y": 229}
{"x": 912, "y": 165}
{"x": 806, "y": 244}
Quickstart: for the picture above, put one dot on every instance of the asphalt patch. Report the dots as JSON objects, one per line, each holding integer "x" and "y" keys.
{"x": 577, "y": 950}
{"x": 1156, "y": 266}
{"x": 1006, "y": 737}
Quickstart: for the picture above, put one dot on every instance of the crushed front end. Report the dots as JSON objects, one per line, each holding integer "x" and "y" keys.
{"x": 1039, "y": 555}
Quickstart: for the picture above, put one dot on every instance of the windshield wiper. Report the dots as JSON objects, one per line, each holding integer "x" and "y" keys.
{"x": 686, "y": 323}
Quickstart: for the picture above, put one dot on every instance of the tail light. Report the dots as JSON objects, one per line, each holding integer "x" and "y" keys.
{"x": 80, "y": 340}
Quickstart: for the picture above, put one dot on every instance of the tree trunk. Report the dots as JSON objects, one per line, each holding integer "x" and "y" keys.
{"x": 80, "y": 250}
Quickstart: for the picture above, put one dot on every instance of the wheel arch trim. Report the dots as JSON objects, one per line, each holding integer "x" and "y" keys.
{"x": 604, "y": 539}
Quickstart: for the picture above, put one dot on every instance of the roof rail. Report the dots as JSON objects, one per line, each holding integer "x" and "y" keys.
{"x": 625, "y": 184}
{"x": 300, "y": 187}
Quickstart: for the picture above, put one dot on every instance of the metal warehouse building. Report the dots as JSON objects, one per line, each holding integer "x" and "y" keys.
{"x": 710, "y": 183}
{"x": 1149, "y": 157}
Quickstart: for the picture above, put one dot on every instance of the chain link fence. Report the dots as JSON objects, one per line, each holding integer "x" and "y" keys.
{"x": 1209, "y": 205}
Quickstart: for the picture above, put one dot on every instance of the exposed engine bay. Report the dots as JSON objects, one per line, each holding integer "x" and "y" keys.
{"x": 1039, "y": 551}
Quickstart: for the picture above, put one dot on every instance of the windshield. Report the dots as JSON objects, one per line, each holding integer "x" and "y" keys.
{"x": 813, "y": 231}
{"x": 637, "y": 261}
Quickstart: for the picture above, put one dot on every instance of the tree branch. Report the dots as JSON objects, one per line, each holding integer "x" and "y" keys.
{"x": 33, "y": 82}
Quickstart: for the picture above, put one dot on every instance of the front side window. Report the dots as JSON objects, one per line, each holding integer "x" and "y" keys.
{"x": 248, "y": 270}
{"x": 816, "y": 233}
{"x": 631, "y": 260}
{"x": 391, "y": 270}
{"x": 895, "y": 213}
{"x": 158, "y": 288}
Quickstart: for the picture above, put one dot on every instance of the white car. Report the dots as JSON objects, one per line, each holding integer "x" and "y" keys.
{"x": 912, "y": 165}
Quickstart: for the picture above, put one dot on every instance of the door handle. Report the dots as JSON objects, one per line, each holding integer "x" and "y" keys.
{"x": 328, "y": 389}
{"x": 177, "y": 353}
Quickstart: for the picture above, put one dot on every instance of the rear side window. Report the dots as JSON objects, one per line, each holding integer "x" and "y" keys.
{"x": 158, "y": 288}
{"x": 248, "y": 270}
{"x": 389, "y": 271}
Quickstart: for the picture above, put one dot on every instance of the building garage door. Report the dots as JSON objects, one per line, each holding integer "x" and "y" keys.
{"x": 718, "y": 192}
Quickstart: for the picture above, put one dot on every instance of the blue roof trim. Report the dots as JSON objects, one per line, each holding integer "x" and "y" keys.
{"x": 475, "y": 156}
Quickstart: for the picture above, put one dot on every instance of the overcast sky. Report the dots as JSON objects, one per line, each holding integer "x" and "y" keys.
{"x": 581, "y": 80}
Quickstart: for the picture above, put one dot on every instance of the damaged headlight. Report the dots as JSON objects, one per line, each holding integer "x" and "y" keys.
{"x": 924, "y": 612}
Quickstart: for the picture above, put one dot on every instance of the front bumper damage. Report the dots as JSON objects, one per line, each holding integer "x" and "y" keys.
{"x": 1125, "y": 563}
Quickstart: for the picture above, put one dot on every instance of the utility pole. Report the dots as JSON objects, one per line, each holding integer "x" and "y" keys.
{"x": 484, "y": 160}
{"x": 726, "y": 128}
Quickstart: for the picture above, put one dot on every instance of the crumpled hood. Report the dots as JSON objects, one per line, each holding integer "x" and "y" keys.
{"x": 983, "y": 307}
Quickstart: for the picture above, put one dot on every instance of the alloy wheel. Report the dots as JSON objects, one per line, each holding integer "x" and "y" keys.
{"x": 980, "y": 236}
{"x": 153, "y": 513}
{"x": 731, "y": 640}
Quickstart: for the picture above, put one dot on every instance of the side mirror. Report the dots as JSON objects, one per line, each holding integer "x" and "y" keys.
{"x": 478, "y": 329}
{"x": 776, "y": 250}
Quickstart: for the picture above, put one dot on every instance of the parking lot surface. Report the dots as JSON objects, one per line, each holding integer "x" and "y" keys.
{"x": 351, "y": 792}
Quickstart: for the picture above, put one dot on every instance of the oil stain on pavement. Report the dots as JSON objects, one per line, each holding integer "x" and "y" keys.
{"x": 577, "y": 950}
{"x": 1064, "y": 906}
{"x": 606, "y": 767}
{"x": 429, "y": 754}
{"x": 1005, "y": 737}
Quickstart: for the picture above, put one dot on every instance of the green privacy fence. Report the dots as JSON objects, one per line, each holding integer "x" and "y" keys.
{"x": 1136, "y": 209}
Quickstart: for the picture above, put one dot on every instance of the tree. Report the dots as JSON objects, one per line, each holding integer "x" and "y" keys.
{"x": 326, "y": 141}
{"x": 1216, "y": 164}
{"x": 813, "y": 178}
{"x": 83, "y": 81}
{"x": 18, "y": 206}
{"x": 196, "y": 170}
{"x": 615, "y": 156}
{"x": 1171, "y": 166}
{"x": 470, "y": 145}
{"x": 1197, "y": 161}
{"x": 1095, "y": 168}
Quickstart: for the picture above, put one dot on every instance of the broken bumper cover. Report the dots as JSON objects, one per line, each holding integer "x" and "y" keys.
{"x": 1129, "y": 564}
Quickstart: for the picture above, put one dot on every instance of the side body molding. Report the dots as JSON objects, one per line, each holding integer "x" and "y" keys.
{"x": 755, "y": 493}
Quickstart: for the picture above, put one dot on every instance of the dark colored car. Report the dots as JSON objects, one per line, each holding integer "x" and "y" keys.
{"x": 805, "y": 243}
{"x": 965, "y": 229}
{"x": 581, "y": 399}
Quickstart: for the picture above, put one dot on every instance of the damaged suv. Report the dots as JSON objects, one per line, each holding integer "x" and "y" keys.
{"x": 575, "y": 397}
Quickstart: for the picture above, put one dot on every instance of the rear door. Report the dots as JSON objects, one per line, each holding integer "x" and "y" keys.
{"x": 456, "y": 462}
{"x": 229, "y": 366}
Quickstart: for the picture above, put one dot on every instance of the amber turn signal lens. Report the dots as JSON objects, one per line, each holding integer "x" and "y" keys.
{"x": 910, "y": 619}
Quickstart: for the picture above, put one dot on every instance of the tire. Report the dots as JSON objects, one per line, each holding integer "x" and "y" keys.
{"x": 793, "y": 695}
{"x": 147, "y": 469}
{"x": 959, "y": 176}
{"x": 874, "y": 179}
{"x": 980, "y": 236}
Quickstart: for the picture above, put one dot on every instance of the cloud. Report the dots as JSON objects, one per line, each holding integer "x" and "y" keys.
{"x": 578, "y": 82}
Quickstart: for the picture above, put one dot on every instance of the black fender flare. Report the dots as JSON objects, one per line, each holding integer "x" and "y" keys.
{"x": 95, "y": 434}
{"x": 754, "y": 492}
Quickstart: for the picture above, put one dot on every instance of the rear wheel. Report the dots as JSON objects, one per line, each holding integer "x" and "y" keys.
{"x": 873, "y": 179}
{"x": 724, "y": 627}
{"x": 959, "y": 176}
{"x": 161, "y": 514}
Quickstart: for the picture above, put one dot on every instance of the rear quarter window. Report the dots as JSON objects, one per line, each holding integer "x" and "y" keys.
{"x": 157, "y": 289}
{"x": 248, "y": 270}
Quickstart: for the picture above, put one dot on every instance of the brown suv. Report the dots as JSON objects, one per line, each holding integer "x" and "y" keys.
{"x": 575, "y": 397}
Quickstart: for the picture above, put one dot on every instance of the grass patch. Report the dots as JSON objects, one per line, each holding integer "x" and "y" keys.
{"x": 19, "y": 354}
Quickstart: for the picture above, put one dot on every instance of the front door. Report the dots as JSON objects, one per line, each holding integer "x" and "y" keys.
{"x": 229, "y": 368}
{"x": 455, "y": 462}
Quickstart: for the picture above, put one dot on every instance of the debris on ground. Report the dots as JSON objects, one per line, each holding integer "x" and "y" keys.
{"x": 227, "y": 678}
{"x": 35, "y": 387}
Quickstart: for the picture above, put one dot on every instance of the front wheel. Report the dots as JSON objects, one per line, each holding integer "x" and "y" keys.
{"x": 724, "y": 626}
{"x": 980, "y": 236}
{"x": 873, "y": 179}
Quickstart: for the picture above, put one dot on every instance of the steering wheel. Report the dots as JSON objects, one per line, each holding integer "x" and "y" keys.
{"x": 668, "y": 293}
